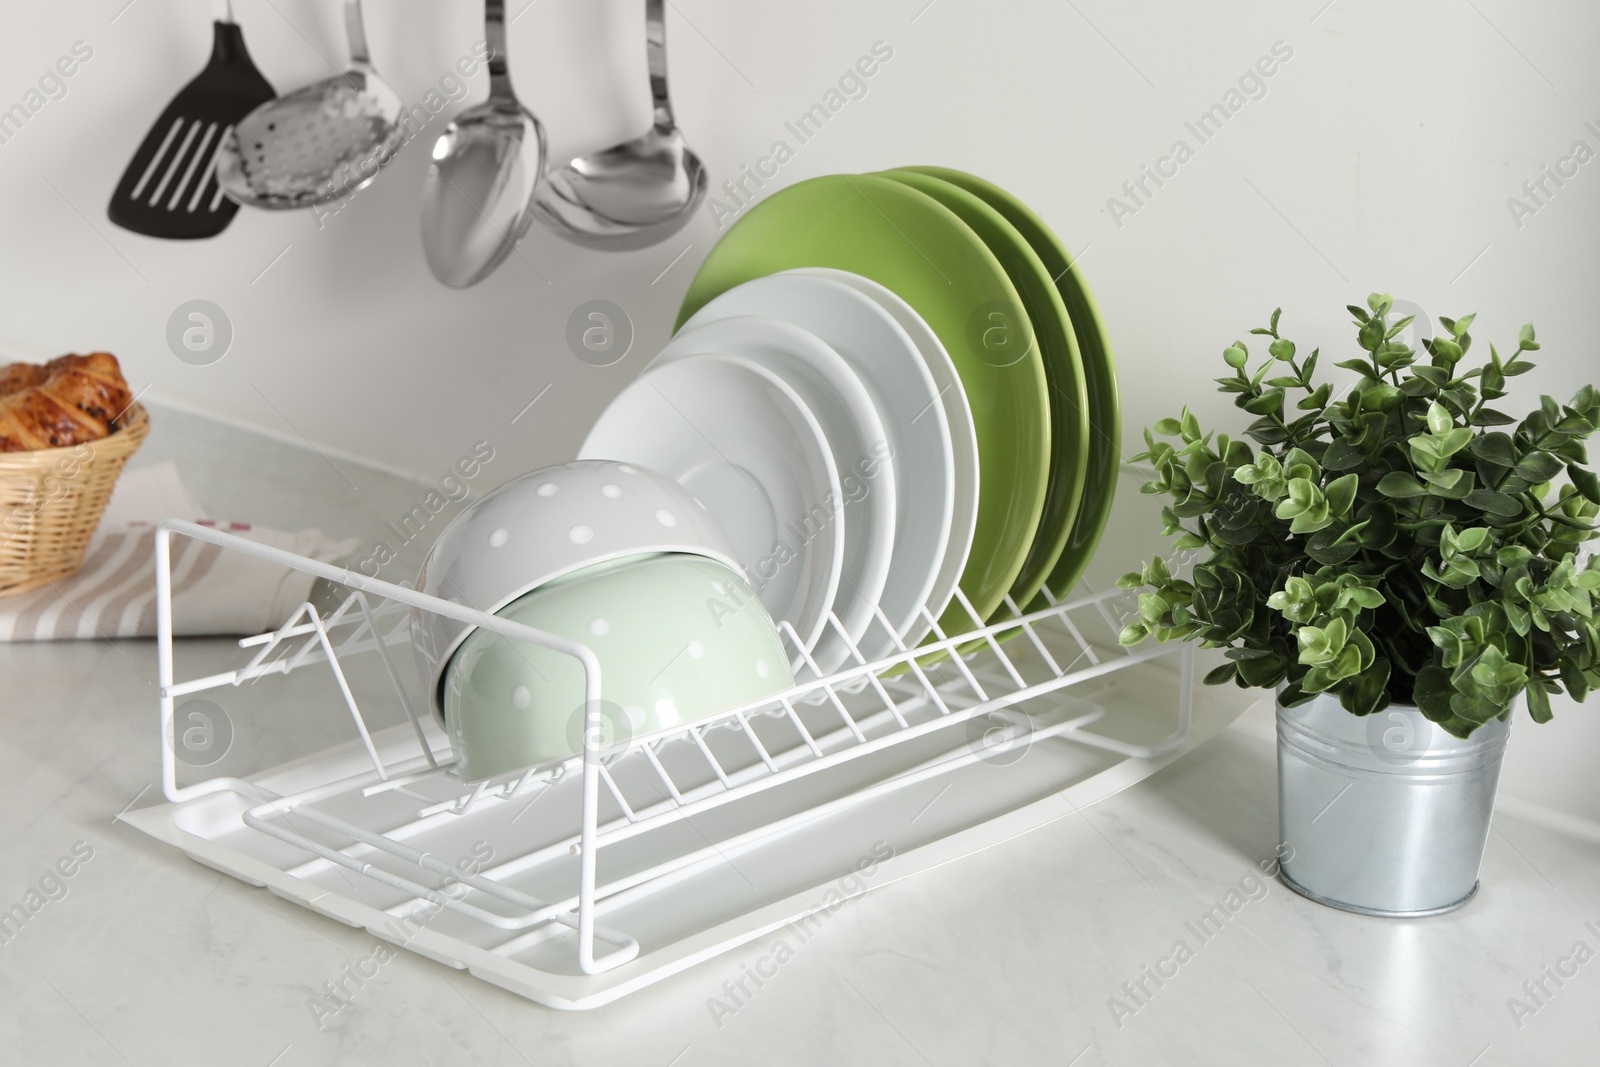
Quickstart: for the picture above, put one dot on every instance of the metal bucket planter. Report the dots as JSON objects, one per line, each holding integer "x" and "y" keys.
{"x": 1385, "y": 814}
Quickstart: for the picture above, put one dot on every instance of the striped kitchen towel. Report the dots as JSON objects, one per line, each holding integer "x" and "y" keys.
{"x": 214, "y": 591}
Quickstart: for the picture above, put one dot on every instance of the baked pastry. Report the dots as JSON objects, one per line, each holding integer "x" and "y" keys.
{"x": 68, "y": 401}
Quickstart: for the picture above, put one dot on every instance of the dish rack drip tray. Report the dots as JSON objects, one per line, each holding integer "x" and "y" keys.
{"x": 577, "y": 882}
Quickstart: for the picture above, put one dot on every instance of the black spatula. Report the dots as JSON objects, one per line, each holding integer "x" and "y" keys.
{"x": 170, "y": 187}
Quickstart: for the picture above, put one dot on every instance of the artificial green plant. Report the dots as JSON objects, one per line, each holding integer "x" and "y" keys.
{"x": 1403, "y": 544}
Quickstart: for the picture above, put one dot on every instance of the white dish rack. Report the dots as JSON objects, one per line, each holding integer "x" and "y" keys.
{"x": 576, "y": 883}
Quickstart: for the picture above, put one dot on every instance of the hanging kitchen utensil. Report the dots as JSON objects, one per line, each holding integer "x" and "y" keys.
{"x": 478, "y": 191}
{"x": 170, "y": 188}
{"x": 320, "y": 143}
{"x": 634, "y": 194}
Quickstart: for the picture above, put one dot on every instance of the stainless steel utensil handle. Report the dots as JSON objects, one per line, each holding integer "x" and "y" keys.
{"x": 655, "y": 36}
{"x": 494, "y": 35}
{"x": 357, "y": 33}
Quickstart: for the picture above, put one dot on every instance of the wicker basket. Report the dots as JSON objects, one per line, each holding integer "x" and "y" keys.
{"x": 52, "y": 499}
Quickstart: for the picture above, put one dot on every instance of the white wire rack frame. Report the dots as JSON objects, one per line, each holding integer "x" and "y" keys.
{"x": 647, "y": 783}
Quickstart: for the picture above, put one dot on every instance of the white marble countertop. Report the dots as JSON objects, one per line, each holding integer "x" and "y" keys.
{"x": 1016, "y": 956}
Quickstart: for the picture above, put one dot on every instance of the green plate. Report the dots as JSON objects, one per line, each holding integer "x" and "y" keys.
{"x": 907, "y": 241}
{"x": 1063, "y": 369}
{"x": 1105, "y": 410}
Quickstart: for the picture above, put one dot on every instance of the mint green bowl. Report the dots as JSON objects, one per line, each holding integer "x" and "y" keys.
{"x": 678, "y": 636}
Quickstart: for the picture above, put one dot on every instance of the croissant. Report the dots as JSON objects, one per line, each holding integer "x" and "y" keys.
{"x": 68, "y": 401}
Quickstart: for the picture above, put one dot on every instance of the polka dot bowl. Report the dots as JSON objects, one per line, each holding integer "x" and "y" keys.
{"x": 546, "y": 524}
{"x": 678, "y": 637}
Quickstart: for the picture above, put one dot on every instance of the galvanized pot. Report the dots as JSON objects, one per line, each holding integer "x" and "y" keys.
{"x": 1384, "y": 814}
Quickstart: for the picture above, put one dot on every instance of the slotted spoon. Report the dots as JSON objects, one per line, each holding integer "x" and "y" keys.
{"x": 170, "y": 188}
{"x": 323, "y": 142}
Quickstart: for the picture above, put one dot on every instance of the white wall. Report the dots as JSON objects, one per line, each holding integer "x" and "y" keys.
{"x": 1380, "y": 157}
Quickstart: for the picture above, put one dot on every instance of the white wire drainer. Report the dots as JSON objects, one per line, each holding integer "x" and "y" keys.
{"x": 575, "y": 882}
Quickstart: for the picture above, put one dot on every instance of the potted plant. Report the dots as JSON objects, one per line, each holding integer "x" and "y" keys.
{"x": 1399, "y": 566}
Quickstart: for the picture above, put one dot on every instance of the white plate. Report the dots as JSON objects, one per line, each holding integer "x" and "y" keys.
{"x": 902, "y": 388}
{"x": 860, "y": 446}
{"x": 963, "y": 438}
{"x": 747, "y": 446}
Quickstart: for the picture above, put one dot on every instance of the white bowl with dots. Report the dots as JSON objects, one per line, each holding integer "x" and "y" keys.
{"x": 679, "y": 637}
{"x": 546, "y": 524}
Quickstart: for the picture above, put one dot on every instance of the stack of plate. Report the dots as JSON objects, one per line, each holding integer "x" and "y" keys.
{"x": 894, "y": 394}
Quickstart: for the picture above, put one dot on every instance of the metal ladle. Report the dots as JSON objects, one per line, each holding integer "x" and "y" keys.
{"x": 634, "y": 194}
{"x": 477, "y": 193}
{"x": 319, "y": 143}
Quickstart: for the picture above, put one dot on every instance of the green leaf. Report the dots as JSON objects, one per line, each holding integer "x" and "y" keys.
{"x": 1572, "y": 675}
{"x": 1452, "y": 441}
{"x": 1494, "y": 670}
{"x": 1330, "y": 548}
{"x": 1235, "y": 356}
{"x": 1431, "y": 692}
{"x": 1537, "y": 467}
{"x": 1167, "y": 427}
{"x": 1400, "y": 324}
{"x": 1317, "y": 399}
{"x": 1225, "y": 673}
{"x": 1491, "y": 417}
{"x": 1438, "y": 419}
{"x": 1266, "y": 431}
{"x": 1571, "y": 450}
{"x": 1268, "y": 403}
{"x": 1453, "y": 484}
{"x": 1496, "y": 448}
{"x": 1538, "y": 701}
{"x": 1341, "y": 493}
{"x": 1585, "y": 482}
{"x": 1487, "y": 500}
{"x": 1353, "y": 533}
{"x": 1444, "y": 480}
{"x": 1400, "y": 485}
{"x": 1310, "y": 521}
{"x": 1261, "y": 673}
{"x": 1342, "y": 455}
{"x": 1381, "y": 397}
{"x": 1368, "y": 691}
{"x": 1281, "y": 349}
